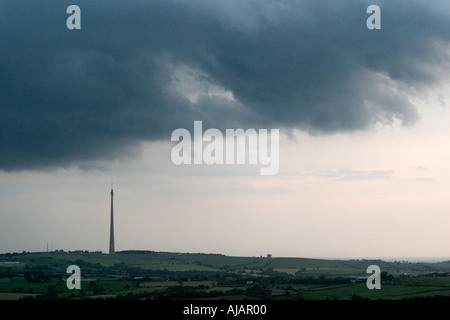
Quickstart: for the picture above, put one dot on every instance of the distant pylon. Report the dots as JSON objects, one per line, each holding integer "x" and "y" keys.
{"x": 111, "y": 232}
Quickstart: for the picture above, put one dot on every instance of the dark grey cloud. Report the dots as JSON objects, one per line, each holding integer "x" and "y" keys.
{"x": 140, "y": 69}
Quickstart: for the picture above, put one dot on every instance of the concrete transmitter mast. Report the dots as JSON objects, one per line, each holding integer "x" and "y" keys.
{"x": 111, "y": 232}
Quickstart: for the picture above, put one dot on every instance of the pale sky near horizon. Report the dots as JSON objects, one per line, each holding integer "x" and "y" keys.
{"x": 364, "y": 145}
{"x": 383, "y": 195}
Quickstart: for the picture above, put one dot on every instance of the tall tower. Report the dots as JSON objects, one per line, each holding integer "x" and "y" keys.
{"x": 111, "y": 232}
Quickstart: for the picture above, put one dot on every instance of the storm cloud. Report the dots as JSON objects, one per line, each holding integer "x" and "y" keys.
{"x": 137, "y": 70}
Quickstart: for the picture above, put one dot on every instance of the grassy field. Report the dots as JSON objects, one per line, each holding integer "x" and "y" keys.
{"x": 13, "y": 296}
{"x": 163, "y": 275}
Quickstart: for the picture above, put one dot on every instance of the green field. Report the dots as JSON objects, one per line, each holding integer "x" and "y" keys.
{"x": 163, "y": 275}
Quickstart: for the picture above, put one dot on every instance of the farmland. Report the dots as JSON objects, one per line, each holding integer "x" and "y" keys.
{"x": 151, "y": 275}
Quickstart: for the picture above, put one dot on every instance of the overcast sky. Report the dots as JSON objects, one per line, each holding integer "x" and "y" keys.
{"x": 363, "y": 116}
